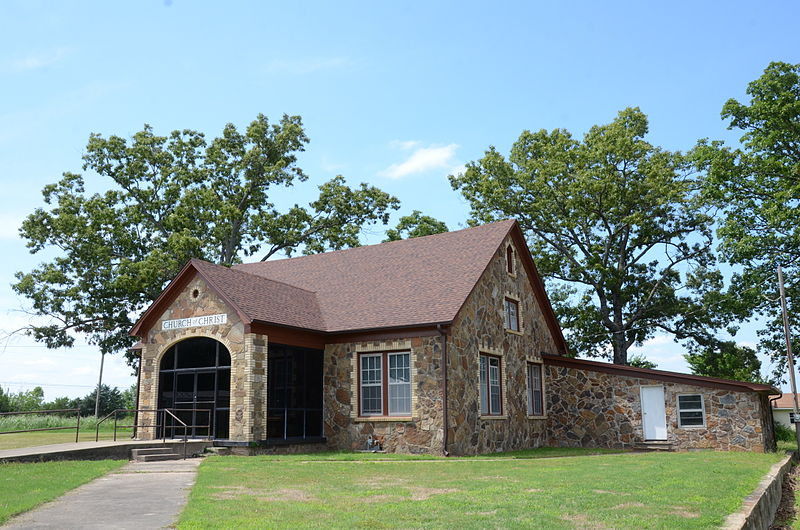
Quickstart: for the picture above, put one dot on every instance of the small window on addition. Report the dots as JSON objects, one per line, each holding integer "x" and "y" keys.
{"x": 510, "y": 259}
{"x": 691, "y": 411}
{"x": 512, "y": 314}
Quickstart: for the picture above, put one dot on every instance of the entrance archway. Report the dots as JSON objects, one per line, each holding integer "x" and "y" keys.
{"x": 194, "y": 383}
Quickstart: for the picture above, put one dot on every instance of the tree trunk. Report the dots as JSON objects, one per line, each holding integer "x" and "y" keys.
{"x": 620, "y": 348}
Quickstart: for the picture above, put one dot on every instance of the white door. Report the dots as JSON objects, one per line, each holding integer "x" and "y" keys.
{"x": 654, "y": 417}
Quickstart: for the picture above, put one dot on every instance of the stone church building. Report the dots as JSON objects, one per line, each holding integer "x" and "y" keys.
{"x": 445, "y": 344}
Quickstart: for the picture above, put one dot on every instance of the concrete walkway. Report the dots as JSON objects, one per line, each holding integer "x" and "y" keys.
{"x": 140, "y": 495}
{"x": 91, "y": 450}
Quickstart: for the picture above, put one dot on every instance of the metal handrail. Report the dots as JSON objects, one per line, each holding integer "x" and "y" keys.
{"x": 164, "y": 431}
{"x": 114, "y": 413}
{"x": 77, "y": 422}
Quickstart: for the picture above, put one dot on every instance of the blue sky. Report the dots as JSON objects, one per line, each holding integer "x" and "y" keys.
{"x": 395, "y": 94}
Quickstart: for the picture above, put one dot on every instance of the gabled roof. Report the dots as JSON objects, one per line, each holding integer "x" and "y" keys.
{"x": 413, "y": 282}
{"x": 659, "y": 375}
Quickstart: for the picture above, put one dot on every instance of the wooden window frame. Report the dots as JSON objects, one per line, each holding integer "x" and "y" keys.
{"x": 702, "y": 410}
{"x": 384, "y": 356}
{"x": 488, "y": 388}
{"x": 530, "y": 390}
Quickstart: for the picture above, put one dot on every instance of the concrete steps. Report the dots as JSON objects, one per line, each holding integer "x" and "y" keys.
{"x": 155, "y": 454}
{"x": 654, "y": 445}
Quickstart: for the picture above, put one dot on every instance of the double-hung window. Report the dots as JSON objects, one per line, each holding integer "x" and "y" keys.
{"x": 691, "y": 412}
{"x": 385, "y": 384}
{"x": 535, "y": 390}
{"x": 491, "y": 387}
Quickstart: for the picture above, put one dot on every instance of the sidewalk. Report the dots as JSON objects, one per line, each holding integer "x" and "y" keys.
{"x": 91, "y": 450}
{"x": 140, "y": 495}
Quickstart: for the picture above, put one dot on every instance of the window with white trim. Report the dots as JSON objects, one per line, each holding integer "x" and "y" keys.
{"x": 385, "y": 384}
{"x": 491, "y": 389}
{"x": 691, "y": 410}
{"x": 535, "y": 390}
{"x": 512, "y": 314}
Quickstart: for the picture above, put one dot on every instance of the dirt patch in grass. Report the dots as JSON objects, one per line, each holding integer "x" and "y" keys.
{"x": 534, "y": 490}
{"x": 625, "y": 505}
{"x": 682, "y": 511}
{"x": 373, "y": 499}
{"x": 607, "y": 492}
{"x": 423, "y": 494}
{"x": 787, "y": 509}
{"x": 234, "y": 492}
{"x": 583, "y": 521}
{"x": 287, "y": 494}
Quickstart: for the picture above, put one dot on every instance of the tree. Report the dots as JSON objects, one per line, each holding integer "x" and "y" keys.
{"x": 757, "y": 187}
{"x": 639, "y": 361}
{"x": 727, "y": 360}
{"x": 415, "y": 225}
{"x": 110, "y": 400}
{"x": 614, "y": 227}
{"x": 5, "y": 401}
{"x": 168, "y": 199}
{"x": 27, "y": 400}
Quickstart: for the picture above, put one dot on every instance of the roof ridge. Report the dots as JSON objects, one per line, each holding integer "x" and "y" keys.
{"x": 241, "y": 266}
{"x": 259, "y": 276}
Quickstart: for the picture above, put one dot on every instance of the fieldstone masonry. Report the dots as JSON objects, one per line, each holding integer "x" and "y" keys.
{"x": 595, "y": 409}
{"x": 248, "y": 360}
{"x": 479, "y": 328}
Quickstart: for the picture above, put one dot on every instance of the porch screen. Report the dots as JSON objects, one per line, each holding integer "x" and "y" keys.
{"x": 294, "y": 393}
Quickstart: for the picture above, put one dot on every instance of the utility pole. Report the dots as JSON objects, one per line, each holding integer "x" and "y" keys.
{"x": 789, "y": 358}
{"x": 100, "y": 384}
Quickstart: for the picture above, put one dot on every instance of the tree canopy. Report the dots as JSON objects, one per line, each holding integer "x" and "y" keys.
{"x": 757, "y": 188}
{"x": 415, "y": 225}
{"x": 615, "y": 228}
{"x": 168, "y": 199}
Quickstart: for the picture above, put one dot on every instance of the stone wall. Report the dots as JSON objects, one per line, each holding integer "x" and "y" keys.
{"x": 479, "y": 328}
{"x": 248, "y": 360}
{"x": 596, "y": 409}
{"x": 419, "y": 433}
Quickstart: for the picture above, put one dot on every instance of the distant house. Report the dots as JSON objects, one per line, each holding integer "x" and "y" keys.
{"x": 439, "y": 344}
{"x": 781, "y": 408}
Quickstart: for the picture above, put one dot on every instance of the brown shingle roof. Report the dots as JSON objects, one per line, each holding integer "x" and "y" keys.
{"x": 402, "y": 283}
{"x": 264, "y": 299}
{"x": 415, "y": 282}
{"x": 658, "y": 375}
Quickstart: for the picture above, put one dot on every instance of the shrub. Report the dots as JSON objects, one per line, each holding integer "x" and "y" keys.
{"x": 784, "y": 433}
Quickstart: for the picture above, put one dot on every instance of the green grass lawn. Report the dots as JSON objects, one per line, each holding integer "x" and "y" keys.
{"x": 668, "y": 490}
{"x": 25, "y": 486}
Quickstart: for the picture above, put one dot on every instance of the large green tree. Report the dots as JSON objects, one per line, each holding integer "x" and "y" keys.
{"x": 615, "y": 228}
{"x": 415, "y": 225}
{"x": 757, "y": 186}
{"x": 167, "y": 199}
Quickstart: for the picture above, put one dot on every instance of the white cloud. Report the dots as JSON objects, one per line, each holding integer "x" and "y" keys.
{"x": 421, "y": 160}
{"x": 403, "y": 144}
{"x": 307, "y": 66}
{"x": 38, "y": 60}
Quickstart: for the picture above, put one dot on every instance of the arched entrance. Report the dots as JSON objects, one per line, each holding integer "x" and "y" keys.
{"x": 194, "y": 382}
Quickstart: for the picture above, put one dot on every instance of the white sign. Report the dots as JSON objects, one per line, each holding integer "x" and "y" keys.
{"x": 194, "y": 322}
